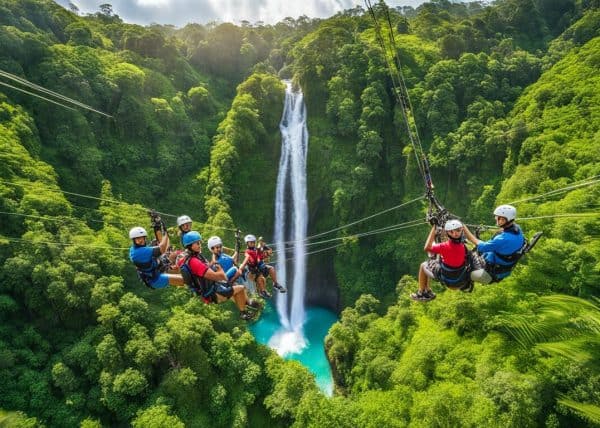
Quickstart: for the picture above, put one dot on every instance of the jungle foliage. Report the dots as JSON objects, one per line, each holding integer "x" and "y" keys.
{"x": 506, "y": 102}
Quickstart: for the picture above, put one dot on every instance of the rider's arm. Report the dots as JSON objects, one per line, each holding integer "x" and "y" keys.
{"x": 430, "y": 239}
{"x": 244, "y": 263}
{"x": 164, "y": 243}
{"x": 219, "y": 275}
{"x": 470, "y": 236}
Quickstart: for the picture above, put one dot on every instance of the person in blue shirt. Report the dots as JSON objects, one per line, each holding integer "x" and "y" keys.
{"x": 501, "y": 253}
{"x": 227, "y": 262}
{"x": 146, "y": 260}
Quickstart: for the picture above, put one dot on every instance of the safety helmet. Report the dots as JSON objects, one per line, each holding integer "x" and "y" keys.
{"x": 137, "y": 232}
{"x": 452, "y": 225}
{"x": 507, "y": 211}
{"x": 214, "y": 241}
{"x": 183, "y": 219}
{"x": 191, "y": 237}
{"x": 249, "y": 238}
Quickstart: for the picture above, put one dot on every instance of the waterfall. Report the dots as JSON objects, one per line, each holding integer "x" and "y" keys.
{"x": 291, "y": 220}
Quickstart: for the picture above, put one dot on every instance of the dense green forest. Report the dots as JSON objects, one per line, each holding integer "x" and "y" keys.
{"x": 507, "y": 105}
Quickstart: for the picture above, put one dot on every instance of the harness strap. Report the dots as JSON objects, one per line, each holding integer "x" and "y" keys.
{"x": 455, "y": 275}
{"x": 205, "y": 288}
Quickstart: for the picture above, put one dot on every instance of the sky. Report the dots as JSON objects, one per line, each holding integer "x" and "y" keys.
{"x": 181, "y": 12}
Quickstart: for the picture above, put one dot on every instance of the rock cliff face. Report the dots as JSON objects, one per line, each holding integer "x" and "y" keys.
{"x": 321, "y": 288}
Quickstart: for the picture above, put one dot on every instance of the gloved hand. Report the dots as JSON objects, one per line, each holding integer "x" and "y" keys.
{"x": 432, "y": 220}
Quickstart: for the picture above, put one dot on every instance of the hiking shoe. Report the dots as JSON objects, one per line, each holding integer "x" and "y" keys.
{"x": 467, "y": 287}
{"x": 264, "y": 294}
{"x": 429, "y": 295}
{"x": 280, "y": 287}
{"x": 423, "y": 296}
{"x": 253, "y": 305}
{"x": 246, "y": 316}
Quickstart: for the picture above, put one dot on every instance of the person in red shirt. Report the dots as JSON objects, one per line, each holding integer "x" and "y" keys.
{"x": 450, "y": 268}
{"x": 259, "y": 270}
{"x": 211, "y": 283}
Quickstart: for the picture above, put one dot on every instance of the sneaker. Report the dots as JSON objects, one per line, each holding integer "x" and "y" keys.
{"x": 253, "y": 305}
{"x": 423, "y": 296}
{"x": 264, "y": 294}
{"x": 467, "y": 287}
{"x": 246, "y": 316}
{"x": 280, "y": 287}
{"x": 430, "y": 295}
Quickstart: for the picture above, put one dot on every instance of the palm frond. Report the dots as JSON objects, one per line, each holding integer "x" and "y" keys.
{"x": 588, "y": 411}
{"x": 574, "y": 350}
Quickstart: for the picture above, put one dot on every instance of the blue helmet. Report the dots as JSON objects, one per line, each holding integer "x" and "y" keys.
{"x": 191, "y": 237}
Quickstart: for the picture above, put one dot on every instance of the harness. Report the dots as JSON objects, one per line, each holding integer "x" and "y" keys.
{"x": 455, "y": 276}
{"x": 201, "y": 286}
{"x": 148, "y": 272}
{"x": 255, "y": 262}
{"x": 512, "y": 259}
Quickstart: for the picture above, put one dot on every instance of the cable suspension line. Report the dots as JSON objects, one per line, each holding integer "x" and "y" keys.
{"x": 340, "y": 238}
{"x": 57, "y": 218}
{"x": 32, "y": 85}
{"x": 35, "y": 95}
{"x": 561, "y": 190}
{"x": 377, "y": 231}
{"x": 352, "y": 223}
{"x": 61, "y": 244}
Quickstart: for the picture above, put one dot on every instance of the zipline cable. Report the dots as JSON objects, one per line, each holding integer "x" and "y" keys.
{"x": 56, "y": 218}
{"x": 60, "y": 243}
{"x": 421, "y": 222}
{"x": 400, "y": 93}
{"x": 290, "y": 247}
{"x": 32, "y": 85}
{"x": 354, "y": 222}
{"x": 35, "y": 95}
{"x": 561, "y": 190}
{"x": 130, "y": 205}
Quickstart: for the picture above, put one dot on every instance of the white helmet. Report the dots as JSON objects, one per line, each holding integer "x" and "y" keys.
{"x": 213, "y": 241}
{"x": 507, "y": 211}
{"x": 249, "y": 238}
{"x": 183, "y": 219}
{"x": 452, "y": 225}
{"x": 137, "y": 232}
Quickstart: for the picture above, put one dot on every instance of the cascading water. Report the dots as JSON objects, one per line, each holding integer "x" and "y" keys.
{"x": 284, "y": 331}
{"x": 290, "y": 230}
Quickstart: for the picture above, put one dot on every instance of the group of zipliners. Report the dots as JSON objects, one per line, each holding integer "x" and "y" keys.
{"x": 217, "y": 280}
{"x": 220, "y": 279}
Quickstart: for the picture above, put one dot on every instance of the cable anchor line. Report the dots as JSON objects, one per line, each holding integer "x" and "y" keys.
{"x": 436, "y": 213}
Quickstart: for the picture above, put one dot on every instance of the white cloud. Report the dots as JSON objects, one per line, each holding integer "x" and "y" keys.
{"x": 181, "y": 12}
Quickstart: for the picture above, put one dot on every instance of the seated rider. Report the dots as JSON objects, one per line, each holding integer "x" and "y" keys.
{"x": 227, "y": 262}
{"x": 258, "y": 268}
{"x": 501, "y": 253}
{"x": 264, "y": 249}
{"x": 146, "y": 260}
{"x": 184, "y": 224}
{"x": 451, "y": 268}
{"x": 209, "y": 283}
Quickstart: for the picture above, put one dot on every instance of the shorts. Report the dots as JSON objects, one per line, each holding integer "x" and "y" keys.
{"x": 478, "y": 273}
{"x": 230, "y": 273}
{"x": 261, "y": 269}
{"x": 431, "y": 268}
{"x": 161, "y": 281}
{"x": 224, "y": 289}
